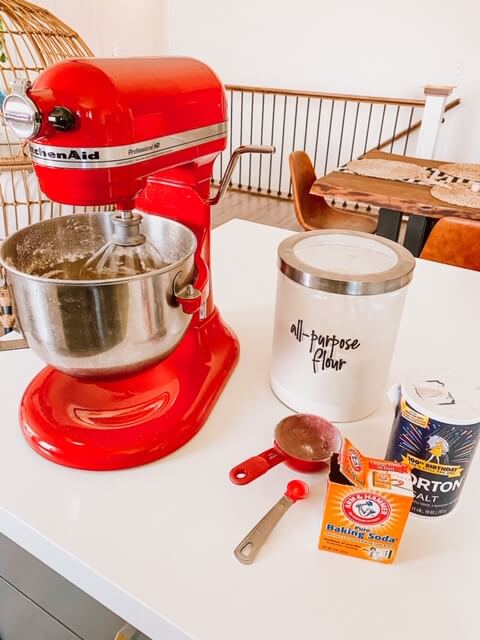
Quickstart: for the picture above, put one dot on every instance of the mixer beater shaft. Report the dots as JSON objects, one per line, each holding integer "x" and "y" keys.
{"x": 128, "y": 253}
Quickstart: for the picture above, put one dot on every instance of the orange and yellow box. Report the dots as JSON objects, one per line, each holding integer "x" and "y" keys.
{"x": 366, "y": 507}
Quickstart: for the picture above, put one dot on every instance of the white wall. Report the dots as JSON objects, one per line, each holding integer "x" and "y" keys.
{"x": 372, "y": 47}
{"x": 116, "y": 27}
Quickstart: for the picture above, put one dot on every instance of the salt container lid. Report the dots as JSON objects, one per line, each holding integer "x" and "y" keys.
{"x": 442, "y": 394}
{"x": 346, "y": 262}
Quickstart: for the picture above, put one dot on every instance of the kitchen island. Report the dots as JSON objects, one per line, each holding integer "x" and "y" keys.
{"x": 154, "y": 544}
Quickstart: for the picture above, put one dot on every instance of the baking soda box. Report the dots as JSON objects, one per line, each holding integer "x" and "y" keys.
{"x": 366, "y": 507}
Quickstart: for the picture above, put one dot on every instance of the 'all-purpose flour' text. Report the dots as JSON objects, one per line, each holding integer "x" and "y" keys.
{"x": 323, "y": 348}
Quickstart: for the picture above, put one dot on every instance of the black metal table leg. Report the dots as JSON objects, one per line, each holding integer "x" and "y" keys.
{"x": 389, "y": 222}
{"x": 418, "y": 229}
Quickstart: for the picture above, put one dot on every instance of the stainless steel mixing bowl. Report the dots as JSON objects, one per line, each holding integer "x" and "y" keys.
{"x": 98, "y": 327}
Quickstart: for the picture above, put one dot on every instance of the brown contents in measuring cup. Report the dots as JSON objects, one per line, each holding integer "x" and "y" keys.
{"x": 307, "y": 437}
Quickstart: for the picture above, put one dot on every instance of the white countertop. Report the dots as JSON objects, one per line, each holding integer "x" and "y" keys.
{"x": 155, "y": 543}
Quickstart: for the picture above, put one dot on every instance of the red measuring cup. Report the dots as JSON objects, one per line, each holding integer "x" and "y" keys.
{"x": 303, "y": 441}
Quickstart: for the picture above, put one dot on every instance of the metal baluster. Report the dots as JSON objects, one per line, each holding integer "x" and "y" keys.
{"x": 241, "y": 141}
{"x": 231, "y": 122}
{"x": 408, "y": 131}
{"x": 354, "y": 130}
{"x": 329, "y": 135}
{"x": 295, "y": 124}
{"x": 279, "y": 192}
{"x": 293, "y": 142}
{"x": 231, "y": 128}
{"x": 368, "y": 128}
{"x": 251, "y": 142}
{"x": 381, "y": 126}
{"x": 318, "y": 131}
{"x": 341, "y": 133}
{"x": 306, "y": 125}
{"x": 395, "y": 129}
{"x": 259, "y": 188}
{"x": 269, "y": 190}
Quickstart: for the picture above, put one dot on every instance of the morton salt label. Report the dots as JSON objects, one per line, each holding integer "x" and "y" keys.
{"x": 436, "y": 431}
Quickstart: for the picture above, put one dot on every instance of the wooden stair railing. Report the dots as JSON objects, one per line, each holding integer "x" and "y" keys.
{"x": 332, "y": 128}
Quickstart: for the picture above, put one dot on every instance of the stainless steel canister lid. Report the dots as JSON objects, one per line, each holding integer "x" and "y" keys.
{"x": 347, "y": 262}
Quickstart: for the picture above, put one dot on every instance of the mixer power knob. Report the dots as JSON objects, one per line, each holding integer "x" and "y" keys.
{"x": 61, "y": 118}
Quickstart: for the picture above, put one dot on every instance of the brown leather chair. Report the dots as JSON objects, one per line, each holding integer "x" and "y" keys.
{"x": 312, "y": 211}
{"x": 454, "y": 241}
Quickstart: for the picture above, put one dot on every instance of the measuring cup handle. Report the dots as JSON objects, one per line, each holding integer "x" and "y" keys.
{"x": 254, "y": 467}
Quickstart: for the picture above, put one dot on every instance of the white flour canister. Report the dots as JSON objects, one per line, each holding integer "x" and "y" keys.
{"x": 339, "y": 301}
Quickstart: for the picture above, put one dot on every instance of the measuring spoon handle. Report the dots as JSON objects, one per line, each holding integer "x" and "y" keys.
{"x": 254, "y": 541}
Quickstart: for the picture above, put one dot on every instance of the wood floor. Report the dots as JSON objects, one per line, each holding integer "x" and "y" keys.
{"x": 262, "y": 209}
{"x": 246, "y": 206}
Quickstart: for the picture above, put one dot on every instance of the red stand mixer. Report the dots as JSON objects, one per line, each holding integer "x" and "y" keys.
{"x": 143, "y": 134}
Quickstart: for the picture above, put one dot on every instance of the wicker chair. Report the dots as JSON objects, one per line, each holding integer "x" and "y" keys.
{"x": 31, "y": 39}
{"x": 454, "y": 241}
{"x": 312, "y": 211}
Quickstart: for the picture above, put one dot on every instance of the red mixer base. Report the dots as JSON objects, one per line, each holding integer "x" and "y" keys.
{"x": 113, "y": 423}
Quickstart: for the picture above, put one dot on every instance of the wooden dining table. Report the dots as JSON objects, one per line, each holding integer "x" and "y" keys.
{"x": 395, "y": 200}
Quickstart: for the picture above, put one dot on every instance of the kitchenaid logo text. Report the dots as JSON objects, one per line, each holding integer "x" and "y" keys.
{"x": 127, "y": 154}
{"x": 323, "y": 349}
{"x": 68, "y": 154}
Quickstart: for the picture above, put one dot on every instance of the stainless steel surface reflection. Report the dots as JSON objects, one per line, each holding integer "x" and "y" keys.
{"x": 98, "y": 327}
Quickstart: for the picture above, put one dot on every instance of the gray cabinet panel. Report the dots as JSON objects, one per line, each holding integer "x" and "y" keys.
{"x": 21, "y": 618}
{"x": 60, "y": 598}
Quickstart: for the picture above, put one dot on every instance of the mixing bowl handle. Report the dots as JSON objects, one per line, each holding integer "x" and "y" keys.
{"x": 193, "y": 296}
{"x": 254, "y": 467}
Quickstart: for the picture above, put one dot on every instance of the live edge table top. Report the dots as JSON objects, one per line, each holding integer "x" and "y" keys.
{"x": 407, "y": 198}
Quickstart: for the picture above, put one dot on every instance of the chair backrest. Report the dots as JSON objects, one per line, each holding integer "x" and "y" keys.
{"x": 454, "y": 241}
{"x": 303, "y": 176}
